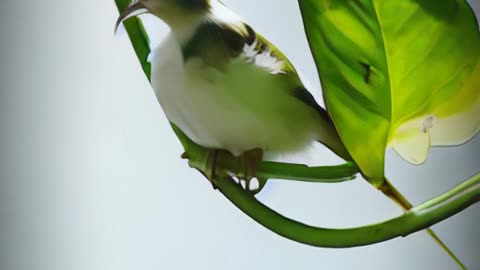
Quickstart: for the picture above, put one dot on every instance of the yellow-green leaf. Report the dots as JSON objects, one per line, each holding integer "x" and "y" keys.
{"x": 404, "y": 74}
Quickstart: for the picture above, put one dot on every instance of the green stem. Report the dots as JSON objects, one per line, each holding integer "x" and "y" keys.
{"x": 300, "y": 172}
{"x": 389, "y": 190}
{"x": 138, "y": 37}
{"x": 267, "y": 169}
{"x": 416, "y": 219}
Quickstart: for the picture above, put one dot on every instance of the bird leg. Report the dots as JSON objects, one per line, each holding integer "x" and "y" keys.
{"x": 249, "y": 162}
{"x": 209, "y": 167}
{"x": 216, "y": 164}
{"x": 243, "y": 167}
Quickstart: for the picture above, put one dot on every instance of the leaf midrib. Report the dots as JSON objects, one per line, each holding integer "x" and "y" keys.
{"x": 387, "y": 62}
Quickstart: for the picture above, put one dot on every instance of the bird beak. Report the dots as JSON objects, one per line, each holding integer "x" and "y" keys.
{"x": 134, "y": 9}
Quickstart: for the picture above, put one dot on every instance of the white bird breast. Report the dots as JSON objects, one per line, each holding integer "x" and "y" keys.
{"x": 237, "y": 110}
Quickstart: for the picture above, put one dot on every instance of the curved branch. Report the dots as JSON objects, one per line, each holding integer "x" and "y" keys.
{"x": 416, "y": 219}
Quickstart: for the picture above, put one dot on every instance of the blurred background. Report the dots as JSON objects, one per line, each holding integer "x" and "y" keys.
{"x": 91, "y": 175}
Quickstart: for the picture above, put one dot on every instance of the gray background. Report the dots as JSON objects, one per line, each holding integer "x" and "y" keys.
{"x": 91, "y": 177}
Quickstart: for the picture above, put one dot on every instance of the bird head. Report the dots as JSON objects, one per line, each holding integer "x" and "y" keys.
{"x": 172, "y": 12}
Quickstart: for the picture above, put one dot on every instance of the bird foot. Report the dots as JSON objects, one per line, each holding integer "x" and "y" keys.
{"x": 250, "y": 161}
{"x": 218, "y": 164}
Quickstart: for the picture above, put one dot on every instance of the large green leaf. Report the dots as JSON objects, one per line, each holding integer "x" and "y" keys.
{"x": 404, "y": 74}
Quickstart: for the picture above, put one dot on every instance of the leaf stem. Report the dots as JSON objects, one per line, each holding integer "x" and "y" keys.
{"x": 389, "y": 190}
{"x": 300, "y": 172}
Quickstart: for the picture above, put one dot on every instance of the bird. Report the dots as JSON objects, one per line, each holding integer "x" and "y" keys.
{"x": 227, "y": 87}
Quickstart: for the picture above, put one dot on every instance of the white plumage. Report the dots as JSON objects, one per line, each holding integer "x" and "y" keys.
{"x": 237, "y": 110}
{"x": 251, "y": 98}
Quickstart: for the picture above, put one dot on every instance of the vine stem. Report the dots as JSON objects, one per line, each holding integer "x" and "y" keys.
{"x": 389, "y": 190}
{"x": 413, "y": 220}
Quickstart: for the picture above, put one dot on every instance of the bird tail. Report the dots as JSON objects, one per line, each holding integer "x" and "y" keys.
{"x": 328, "y": 135}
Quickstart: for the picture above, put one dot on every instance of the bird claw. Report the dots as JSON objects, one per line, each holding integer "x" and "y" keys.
{"x": 217, "y": 164}
{"x": 249, "y": 162}
{"x": 253, "y": 185}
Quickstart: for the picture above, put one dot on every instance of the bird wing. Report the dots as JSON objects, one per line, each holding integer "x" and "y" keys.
{"x": 263, "y": 53}
{"x": 217, "y": 44}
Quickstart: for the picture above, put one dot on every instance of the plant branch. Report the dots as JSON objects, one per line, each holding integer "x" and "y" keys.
{"x": 300, "y": 172}
{"x": 389, "y": 190}
{"x": 414, "y": 220}
{"x": 326, "y": 174}
{"x": 138, "y": 37}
